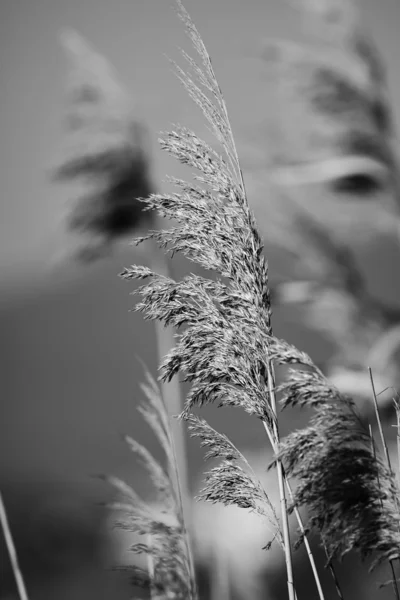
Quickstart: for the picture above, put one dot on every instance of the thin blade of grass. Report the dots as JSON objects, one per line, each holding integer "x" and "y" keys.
{"x": 386, "y": 450}
{"x": 12, "y": 551}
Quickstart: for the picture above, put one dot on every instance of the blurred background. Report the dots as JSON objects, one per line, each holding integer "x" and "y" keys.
{"x": 70, "y": 378}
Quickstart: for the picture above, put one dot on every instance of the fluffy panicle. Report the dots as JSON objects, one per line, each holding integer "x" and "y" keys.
{"x": 166, "y": 543}
{"x": 233, "y": 481}
{"x": 106, "y": 154}
{"x": 350, "y": 493}
{"x": 227, "y": 347}
{"x": 224, "y": 344}
{"x": 228, "y": 332}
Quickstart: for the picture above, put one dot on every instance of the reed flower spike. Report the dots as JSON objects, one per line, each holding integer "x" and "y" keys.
{"x": 227, "y": 350}
{"x": 163, "y": 536}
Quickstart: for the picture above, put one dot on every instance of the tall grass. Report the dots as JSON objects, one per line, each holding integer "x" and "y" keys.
{"x": 336, "y": 115}
{"x": 227, "y": 350}
{"x": 170, "y": 567}
{"x": 12, "y": 552}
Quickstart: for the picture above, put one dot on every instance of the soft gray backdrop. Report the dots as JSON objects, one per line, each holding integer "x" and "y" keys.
{"x": 69, "y": 378}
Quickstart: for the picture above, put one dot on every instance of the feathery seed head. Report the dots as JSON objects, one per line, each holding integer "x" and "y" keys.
{"x": 228, "y": 345}
{"x": 166, "y": 543}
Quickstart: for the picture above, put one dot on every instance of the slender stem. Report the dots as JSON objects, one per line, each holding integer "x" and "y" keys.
{"x": 378, "y": 418}
{"x": 333, "y": 573}
{"x": 394, "y": 580}
{"x": 397, "y": 408}
{"x": 150, "y": 567}
{"x": 175, "y": 475}
{"x": 307, "y": 544}
{"x": 379, "y": 421}
{"x": 302, "y": 529}
{"x": 12, "y": 552}
{"x": 281, "y": 478}
{"x": 384, "y": 444}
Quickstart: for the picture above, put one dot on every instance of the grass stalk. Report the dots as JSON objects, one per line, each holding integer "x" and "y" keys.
{"x": 386, "y": 450}
{"x": 397, "y": 409}
{"x": 309, "y": 551}
{"x": 379, "y": 421}
{"x": 394, "y": 581}
{"x": 150, "y": 567}
{"x": 182, "y": 490}
{"x": 12, "y": 552}
{"x": 334, "y": 576}
{"x": 281, "y": 480}
{"x": 302, "y": 529}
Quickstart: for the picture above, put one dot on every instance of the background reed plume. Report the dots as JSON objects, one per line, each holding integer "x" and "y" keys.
{"x": 106, "y": 150}
{"x": 336, "y": 187}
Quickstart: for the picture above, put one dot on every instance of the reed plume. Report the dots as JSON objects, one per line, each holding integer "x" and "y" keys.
{"x": 228, "y": 350}
{"x": 170, "y": 572}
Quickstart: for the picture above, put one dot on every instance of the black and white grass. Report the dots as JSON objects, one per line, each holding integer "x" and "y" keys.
{"x": 227, "y": 350}
{"x": 162, "y": 535}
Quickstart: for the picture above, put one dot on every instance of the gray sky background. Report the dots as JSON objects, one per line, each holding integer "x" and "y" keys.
{"x": 67, "y": 341}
